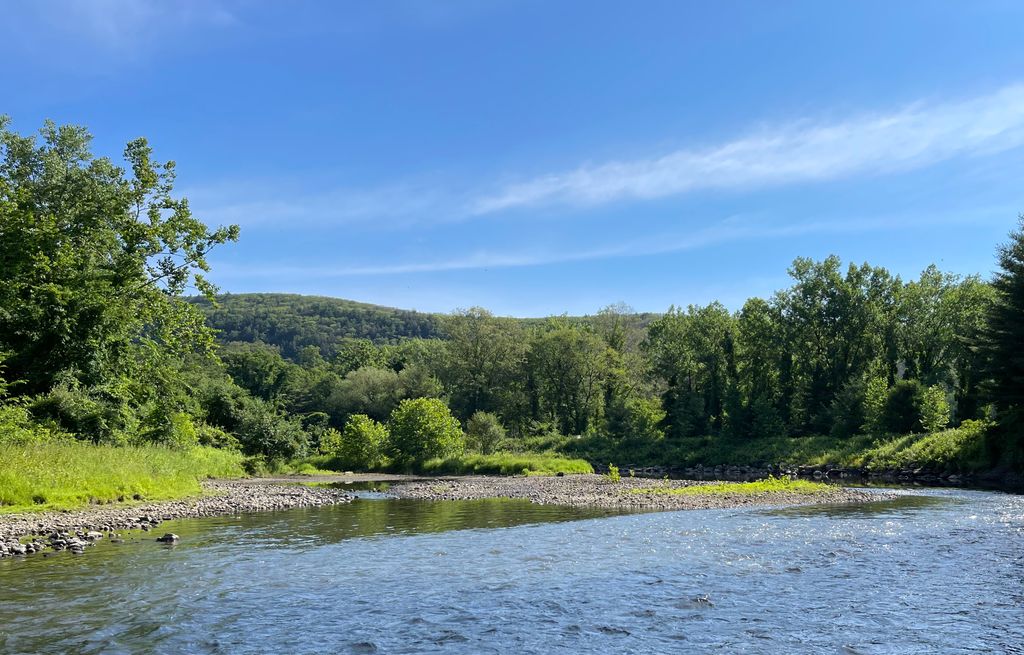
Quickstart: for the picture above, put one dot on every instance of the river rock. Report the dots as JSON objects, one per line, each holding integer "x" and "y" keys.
{"x": 168, "y": 538}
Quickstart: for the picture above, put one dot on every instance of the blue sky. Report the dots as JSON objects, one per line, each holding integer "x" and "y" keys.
{"x": 546, "y": 157}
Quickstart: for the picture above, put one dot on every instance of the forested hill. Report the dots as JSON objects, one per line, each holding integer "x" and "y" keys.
{"x": 292, "y": 322}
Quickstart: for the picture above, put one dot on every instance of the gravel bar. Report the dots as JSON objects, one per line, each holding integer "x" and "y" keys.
{"x": 599, "y": 491}
{"x": 74, "y": 530}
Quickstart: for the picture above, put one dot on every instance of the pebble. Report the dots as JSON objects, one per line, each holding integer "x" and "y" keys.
{"x": 600, "y": 491}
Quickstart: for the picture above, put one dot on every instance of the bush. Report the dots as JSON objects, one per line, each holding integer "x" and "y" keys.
{"x": 361, "y": 444}
{"x": 82, "y": 414}
{"x": 613, "y": 473}
{"x": 421, "y": 429}
{"x": 484, "y": 432}
{"x": 875, "y": 393}
{"x": 935, "y": 409}
{"x": 265, "y": 431}
{"x": 209, "y": 435}
{"x": 903, "y": 407}
{"x": 174, "y": 429}
{"x": 17, "y": 427}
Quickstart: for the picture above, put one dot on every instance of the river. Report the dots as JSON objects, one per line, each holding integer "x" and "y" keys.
{"x": 939, "y": 571}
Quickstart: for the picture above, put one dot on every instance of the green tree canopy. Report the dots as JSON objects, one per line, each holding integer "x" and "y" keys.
{"x": 93, "y": 260}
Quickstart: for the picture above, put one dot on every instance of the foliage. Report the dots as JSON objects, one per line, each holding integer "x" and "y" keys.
{"x": 613, "y": 474}
{"x": 94, "y": 261}
{"x": 1000, "y": 342}
{"x": 505, "y": 464}
{"x": 904, "y": 407}
{"x": 292, "y": 322}
{"x": 18, "y": 427}
{"x": 484, "y": 432}
{"x": 361, "y": 445}
{"x": 69, "y": 474}
{"x": 876, "y": 390}
{"x": 960, "y": 449}
{"x": 934, "y": 409}
{"x": 422, "y": 429}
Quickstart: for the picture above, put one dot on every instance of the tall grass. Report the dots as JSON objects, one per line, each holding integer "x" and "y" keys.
{"x": 71, "y": 474}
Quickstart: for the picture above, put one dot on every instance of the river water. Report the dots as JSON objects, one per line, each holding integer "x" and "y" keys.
{"x": 938, "y": 571}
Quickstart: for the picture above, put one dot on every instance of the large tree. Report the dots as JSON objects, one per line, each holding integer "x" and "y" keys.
{"x": 93, "y": 260}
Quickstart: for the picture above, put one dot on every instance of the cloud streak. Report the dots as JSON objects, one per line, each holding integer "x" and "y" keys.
{"x": 913, "y": 137}
{"x": 726, "y": 231}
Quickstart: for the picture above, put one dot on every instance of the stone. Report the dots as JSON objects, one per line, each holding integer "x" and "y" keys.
{"x": 168, "y": 538}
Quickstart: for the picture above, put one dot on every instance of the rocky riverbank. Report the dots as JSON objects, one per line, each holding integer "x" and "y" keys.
{"x": 27, "y": 533}
{"x": 629, "y": 493}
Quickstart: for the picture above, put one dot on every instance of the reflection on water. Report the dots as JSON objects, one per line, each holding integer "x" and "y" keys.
{"x": 904, "y": 505}
{"x": 941, "y": 573}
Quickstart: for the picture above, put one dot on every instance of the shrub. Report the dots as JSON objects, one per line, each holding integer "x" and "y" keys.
{"x": 174, "y": 429}
{"x": 17, "y": 427}
{"x": 210, "y": 435}
{"x": 424, "y": 428}
{"x": 935, "y": 409}
{"x": 265, "y": 431}
{"x": 875, "y": 392}
{"x": 484, "y": 431}
{"x": 613, "y": 473}
{"x": 361, "y": 444}
{"x": 903, "y": 405}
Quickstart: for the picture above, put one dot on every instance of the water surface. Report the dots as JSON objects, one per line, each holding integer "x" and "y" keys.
{"x": 937, "y": 572}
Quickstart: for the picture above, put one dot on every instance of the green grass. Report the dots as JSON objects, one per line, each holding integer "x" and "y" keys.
{"x": 769, "y": 485}
{"x": 467, "y": 464}
{"x": 72, "y": 474}
{"x": 506, "y": 464}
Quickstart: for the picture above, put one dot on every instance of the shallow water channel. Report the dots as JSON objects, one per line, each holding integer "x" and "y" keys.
{"x": 939, "y": 571}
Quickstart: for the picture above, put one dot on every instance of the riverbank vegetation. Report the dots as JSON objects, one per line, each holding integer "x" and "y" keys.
{"x": 101, "y": 344}
{"x": 63, "y": 475}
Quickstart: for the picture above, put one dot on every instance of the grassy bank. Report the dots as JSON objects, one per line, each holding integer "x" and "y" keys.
{"x": 960, "y": 449}
{"x": 506, "y": 464}
{"x": 68, "y": 475}
{"x": 467, "y": 464}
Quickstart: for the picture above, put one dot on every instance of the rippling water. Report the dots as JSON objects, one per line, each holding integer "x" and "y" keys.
{"x": 937, "y": 572}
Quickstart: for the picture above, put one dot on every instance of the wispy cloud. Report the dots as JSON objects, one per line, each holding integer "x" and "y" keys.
{"x": 913, "y": 137}
{"x": 730, "y": 230}
{"x": 800, "y": 152}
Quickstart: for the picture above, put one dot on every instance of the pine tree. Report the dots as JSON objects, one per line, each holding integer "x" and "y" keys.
{"x": 1002, "y": 342}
